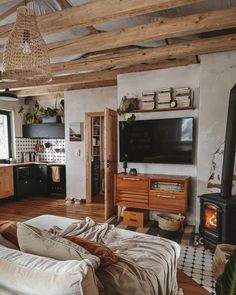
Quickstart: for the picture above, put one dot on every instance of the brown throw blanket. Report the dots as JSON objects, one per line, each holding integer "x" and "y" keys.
{"x": 147, "y": 265}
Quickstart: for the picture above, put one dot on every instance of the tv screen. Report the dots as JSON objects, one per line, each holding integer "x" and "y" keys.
{"x": 157, "y": 141}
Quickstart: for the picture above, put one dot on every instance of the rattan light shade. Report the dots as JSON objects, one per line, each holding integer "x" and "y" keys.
{"x": 26, "y": 56}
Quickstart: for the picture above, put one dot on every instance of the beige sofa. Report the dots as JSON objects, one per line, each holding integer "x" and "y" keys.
{"x": 46, "y": 265}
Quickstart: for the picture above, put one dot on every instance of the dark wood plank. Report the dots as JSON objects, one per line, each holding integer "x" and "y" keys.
{"x": 189, "y": 286}
{"x": 27, "y": 208}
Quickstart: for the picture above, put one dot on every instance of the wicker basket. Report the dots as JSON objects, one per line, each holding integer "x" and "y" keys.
{"x": 170, "y": 222}
{"x": 221, "y": 256}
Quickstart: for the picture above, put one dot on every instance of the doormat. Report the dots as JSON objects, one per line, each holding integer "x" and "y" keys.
{"x": 184, "y": 238}
{"x": 196, "y": 263}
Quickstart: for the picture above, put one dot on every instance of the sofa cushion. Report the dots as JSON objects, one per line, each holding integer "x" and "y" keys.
{"x": 104, "y": 253}
{"x": 44, "y": 243}
{"x": 26, "y": 274}
{"x": 8, "y": 229}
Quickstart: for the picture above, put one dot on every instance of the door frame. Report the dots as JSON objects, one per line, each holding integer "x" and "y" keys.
{"x": 88, "y": 152}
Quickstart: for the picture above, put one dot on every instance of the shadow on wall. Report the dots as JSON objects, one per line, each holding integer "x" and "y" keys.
{"x": 214, "y": 181}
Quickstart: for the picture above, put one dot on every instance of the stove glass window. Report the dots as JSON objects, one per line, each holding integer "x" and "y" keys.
{"x": 211, "y": 217}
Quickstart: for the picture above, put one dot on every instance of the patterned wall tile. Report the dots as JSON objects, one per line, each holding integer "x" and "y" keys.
{"x": 55, "y": 153}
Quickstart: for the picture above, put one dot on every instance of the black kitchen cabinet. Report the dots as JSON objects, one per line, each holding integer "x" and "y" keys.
{"x": 23, "y": 180}
{"x": 57, "y": 188}
{"x": 30, "y": 180}
{"x": 44, "y": 130}
{"x": 40, "y": 176}
{"x": 36, "y": 179}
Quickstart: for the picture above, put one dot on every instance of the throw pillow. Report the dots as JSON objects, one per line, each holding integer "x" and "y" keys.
{"x": 44, "y": 243}
{"x": 103, "y": 252}
{"x": 8, "y": 229}
{"x": 4, "y": 242}
{"x": 22, "y": 273}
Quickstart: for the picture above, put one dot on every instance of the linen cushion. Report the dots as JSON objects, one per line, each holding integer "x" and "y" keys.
{"x": 43, "y": 243}
{"x": 104, "y": 253}
{"x": 8, "y": 230}
{"x": 26, "y": 274}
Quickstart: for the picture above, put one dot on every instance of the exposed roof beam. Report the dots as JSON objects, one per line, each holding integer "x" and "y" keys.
{"x": 11, "y": 10}
{"x": 55, "y": 95}
{"x": 55, "y": 89}
{"x": 109, "y": 75}
{"x": 170, "y": 28}
{"x": 97, "y": 12}
{"x": 179, "y": 50}
{"x": 5, "y": 1}
{"x": 64, "y": 4}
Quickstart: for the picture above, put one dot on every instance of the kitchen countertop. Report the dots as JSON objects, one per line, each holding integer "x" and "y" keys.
{"x": 30, "y": 163}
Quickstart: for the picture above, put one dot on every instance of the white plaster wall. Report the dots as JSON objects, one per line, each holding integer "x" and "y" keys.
{"x": 134, "y": 84}
{"x": 77, "y": 103}
{"x": 217, "y": 77}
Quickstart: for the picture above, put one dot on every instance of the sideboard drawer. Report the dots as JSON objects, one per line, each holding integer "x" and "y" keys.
{"x": 172, "y": 202}
{"x": 132, "y": 183}
{"x": 135, "y": 217}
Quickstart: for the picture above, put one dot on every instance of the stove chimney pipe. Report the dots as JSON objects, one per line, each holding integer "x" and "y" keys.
{"x": 229, "y": 150}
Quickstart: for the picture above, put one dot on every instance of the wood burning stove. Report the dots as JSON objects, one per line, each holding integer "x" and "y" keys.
{"x": 218, "y": 211}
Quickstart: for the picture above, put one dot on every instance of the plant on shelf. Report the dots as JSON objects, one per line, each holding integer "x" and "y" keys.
{"x": 33, "y": 112}
{"x": 128, "y": 105}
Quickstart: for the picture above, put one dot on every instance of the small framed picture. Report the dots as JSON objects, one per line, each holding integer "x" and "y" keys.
{"x": 75, "y": 131}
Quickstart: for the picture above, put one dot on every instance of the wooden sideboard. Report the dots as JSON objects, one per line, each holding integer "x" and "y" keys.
{"x": 167, "y": 193}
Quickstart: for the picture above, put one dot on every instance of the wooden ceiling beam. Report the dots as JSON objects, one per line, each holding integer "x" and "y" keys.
{"x": 95, "y": 12}
{"x": 178, "y": 50}
{"x": 170, "y": 28}
{"x": 64, "y": 4}
{"x": 102, "y": 76}
{"x": 11, "y": 10}
{"x": 55, "y": 89}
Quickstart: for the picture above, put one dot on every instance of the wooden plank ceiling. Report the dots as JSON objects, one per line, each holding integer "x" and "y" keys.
{"x": 96, "y": 58}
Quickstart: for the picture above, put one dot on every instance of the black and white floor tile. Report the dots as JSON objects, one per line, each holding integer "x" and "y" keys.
{"x": 197, "y": 264}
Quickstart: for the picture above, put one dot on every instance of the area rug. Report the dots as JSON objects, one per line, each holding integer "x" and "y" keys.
{"x": 197, "y": 264}
{"x": 185, "y": 237}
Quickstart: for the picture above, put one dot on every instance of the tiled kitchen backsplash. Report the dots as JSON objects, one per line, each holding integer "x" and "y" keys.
{"x": 55, "y": 153}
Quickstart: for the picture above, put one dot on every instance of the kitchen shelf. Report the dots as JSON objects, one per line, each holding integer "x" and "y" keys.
{"x": 163, "y": 110}
{"x": 44, "y": 130}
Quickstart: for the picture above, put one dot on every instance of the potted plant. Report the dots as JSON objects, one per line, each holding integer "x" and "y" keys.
{"x": 128, "y": 105}
{"x": 31, "y": 111}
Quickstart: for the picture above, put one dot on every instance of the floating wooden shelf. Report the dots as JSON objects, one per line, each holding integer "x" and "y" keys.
{"x": 163, "y": 110}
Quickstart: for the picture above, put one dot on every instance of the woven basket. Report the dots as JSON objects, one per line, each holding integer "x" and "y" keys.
{"x": 170, "y": 222}
{"x": 221, "y": 256}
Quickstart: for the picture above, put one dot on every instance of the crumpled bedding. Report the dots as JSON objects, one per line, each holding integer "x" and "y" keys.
{"x": 147, "y": 264}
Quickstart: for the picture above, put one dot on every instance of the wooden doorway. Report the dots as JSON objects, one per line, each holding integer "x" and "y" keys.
{"x": 101, "y": 158}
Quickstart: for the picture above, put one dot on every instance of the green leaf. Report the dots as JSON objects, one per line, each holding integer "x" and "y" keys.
{"x": 226, "y": 284}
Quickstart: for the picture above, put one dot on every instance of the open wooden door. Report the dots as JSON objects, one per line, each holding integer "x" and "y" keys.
{"x": 110, "y": 159}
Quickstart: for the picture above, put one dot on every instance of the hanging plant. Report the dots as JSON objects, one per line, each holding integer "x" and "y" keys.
{"x": 128, "y": 105}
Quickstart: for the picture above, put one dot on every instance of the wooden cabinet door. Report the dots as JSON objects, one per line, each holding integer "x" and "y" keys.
{"x": 110, "y": 159}
{"x": 6, "y": 182}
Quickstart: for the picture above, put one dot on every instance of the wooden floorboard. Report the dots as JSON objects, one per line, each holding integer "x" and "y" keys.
{"x": 27, "y": 208}
{"x": 189, "y": 286}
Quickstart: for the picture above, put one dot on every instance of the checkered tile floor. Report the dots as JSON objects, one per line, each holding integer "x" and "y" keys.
{"x": 197, "y": 264}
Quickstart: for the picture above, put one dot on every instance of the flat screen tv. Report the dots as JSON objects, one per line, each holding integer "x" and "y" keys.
{"x": 167, "y": 141}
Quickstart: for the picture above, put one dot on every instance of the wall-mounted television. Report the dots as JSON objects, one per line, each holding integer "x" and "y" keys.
{"x": 167, "y": 141}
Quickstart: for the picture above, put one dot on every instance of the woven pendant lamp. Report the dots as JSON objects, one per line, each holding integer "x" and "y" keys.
{"x": 26, "y": 58}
